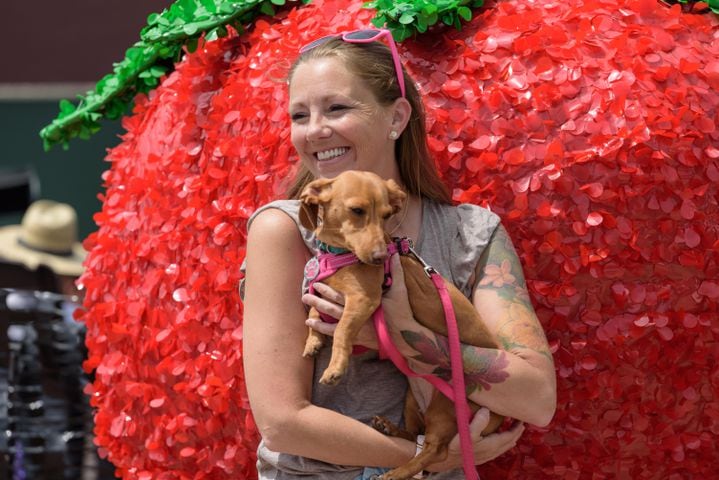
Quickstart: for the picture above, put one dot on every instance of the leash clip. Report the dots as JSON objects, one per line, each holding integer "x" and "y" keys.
{"x": 429, "y": 270}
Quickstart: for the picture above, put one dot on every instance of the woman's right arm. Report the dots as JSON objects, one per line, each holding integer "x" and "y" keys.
{"x": 279, "y": 379}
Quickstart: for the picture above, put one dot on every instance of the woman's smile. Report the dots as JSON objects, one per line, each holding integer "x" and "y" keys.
{"x": 331, "y": 162}
{"x": 331, "y": 154}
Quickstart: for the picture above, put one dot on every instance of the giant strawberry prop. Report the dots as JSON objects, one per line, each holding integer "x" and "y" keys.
{"x": 590, "y": 127}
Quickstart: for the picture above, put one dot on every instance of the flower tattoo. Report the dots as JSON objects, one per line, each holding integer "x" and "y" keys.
{"x": 498, "y": 275}
{"x": 502, "y": 277}
{"x": 482, "y": 366}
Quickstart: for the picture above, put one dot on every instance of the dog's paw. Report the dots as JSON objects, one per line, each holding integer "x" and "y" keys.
{"x": 331, "y": 377}
{"x": 391, "y": 476}
{"x": 313, "y": 345}
{"x": 310, "y": 352}
{"x": 383, "y": 425}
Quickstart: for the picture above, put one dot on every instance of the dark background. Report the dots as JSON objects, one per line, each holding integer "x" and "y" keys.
{"x": 53, "y": 50}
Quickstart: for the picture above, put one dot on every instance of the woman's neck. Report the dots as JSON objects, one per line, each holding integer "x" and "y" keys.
{"x": 408, "y": 221}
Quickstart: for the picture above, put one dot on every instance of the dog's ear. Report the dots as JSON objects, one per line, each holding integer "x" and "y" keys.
{"x": 396, "y": 195}
{"x": 308, "y": 216}
{"x": 313, "y": 194}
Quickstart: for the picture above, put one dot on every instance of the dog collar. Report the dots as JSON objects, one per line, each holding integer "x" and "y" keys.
{"x": 323, "y": 247}
{"x": 328, "y": 262}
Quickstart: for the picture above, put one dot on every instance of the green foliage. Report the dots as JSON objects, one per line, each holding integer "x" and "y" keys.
{"x": 688, "y": 6}
{"x": 713, "y": 5}
{"x": 160, "y": 46}
{"x": 410, "y": 17}
{"x": 140, "y": 71}
{"x": 183, "y": 25}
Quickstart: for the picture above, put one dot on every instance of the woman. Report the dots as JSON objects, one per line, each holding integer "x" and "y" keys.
{"x": 351, "y": 108}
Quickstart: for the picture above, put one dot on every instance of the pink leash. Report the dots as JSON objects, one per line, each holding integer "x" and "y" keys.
{"x": 456, "y": 392}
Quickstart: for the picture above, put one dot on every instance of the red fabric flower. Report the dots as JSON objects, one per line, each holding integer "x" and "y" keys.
{"x": 589, "y": 127}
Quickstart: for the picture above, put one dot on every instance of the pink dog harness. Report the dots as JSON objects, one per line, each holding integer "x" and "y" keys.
{"x": 326, "y": 264}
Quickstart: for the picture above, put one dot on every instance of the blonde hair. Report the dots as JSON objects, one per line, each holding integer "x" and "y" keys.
{"x": 373, "y": 64}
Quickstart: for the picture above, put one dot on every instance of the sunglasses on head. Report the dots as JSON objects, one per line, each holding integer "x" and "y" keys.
{"x": 365, "y": 36}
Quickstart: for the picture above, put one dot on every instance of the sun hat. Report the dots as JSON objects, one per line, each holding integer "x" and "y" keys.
{"x": 46, "y": 236}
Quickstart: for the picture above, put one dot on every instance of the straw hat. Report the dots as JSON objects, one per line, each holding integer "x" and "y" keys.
{"x": 47, "y": 236}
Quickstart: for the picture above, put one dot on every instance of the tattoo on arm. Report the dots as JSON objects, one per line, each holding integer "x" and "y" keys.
{"x": 482, "y": 366}
{"x": 501, "y": 273}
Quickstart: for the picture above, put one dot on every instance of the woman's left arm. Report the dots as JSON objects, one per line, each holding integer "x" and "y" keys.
{"x": 517, "y": 380}
{"x": 528, "y": 391}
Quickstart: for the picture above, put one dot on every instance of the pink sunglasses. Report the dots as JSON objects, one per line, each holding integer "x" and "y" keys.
{"x": 365, "y": 36}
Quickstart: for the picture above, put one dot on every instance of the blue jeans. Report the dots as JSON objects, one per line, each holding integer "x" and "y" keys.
{"x": 368, "y": 472}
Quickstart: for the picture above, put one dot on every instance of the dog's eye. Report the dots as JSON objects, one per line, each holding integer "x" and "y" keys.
{"x": 357, "y": 210}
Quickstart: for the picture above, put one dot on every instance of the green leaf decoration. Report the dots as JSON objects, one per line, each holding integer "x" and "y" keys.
{"x": 713, "y": 5}
{"x": 267, "y": 9}
{"x": 465, "y": 13}
{"x": 411, "y": 17}
{"x": 185, "y": 22}
{"x": 160, "y": 46}
{"x": 688, "y": 6}
{"x": 406, "y": 18}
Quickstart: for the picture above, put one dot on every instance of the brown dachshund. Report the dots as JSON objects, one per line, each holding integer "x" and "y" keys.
{"x": 349, "y": 212}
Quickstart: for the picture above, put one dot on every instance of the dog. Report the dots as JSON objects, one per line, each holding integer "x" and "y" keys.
{"x": 349, "y": 212}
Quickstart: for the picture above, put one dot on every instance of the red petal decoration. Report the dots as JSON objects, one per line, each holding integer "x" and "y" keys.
{"x": 589, "y": 127}
{"x": 594, "y": 219}
{"x": 709, "y": 289}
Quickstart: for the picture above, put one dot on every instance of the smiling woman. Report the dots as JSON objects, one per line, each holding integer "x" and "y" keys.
{"x": 350, "y": 111}
{"x": 338, "y": 125}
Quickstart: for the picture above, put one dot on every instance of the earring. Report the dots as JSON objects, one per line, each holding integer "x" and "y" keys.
{"x": 393, "y": 135}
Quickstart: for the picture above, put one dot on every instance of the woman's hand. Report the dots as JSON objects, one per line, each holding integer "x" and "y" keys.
{"x": 485, "y": 448}
{"x": 332, "y": 303}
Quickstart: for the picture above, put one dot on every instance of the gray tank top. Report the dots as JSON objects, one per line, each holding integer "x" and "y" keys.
{"x": 452, "y": 239}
